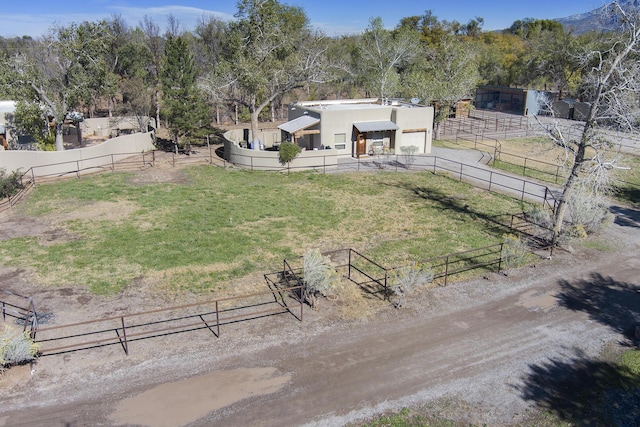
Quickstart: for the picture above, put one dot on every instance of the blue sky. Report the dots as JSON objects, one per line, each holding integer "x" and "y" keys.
{"x": 334, "y": 17}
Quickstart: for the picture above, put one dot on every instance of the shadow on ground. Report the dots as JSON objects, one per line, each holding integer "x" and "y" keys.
{"x": 626, "y": 217}
{"x": 587, "y": 392}
{"x": 607, "y": 301}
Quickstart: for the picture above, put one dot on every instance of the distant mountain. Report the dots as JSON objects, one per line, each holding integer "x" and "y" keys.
{"x": 594, "y": 20}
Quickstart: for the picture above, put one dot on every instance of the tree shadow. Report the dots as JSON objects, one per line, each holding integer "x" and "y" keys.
{"x": 584, "y": 392}
{"x": 606, "y": 301}
{"x": 495, "y": 224}
{"x": 626, "y": 217}
{"x": 629, "y": 194}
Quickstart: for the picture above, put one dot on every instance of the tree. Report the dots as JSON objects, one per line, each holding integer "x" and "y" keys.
{"x": 445, "y": 75}
{"x": 381, "y": 54}
{"x": 501, "y": 59}
{"x": 555, "y": 58}
{"x": 154, "y": 44}
{"x": 59, "y": 72}
{"x": 185, "y": 109}
{"x": 611, "y": 84}
{"x": 271, "y": 52}
{"x": 31, "y": 119}
{"x": 288, "y": 152}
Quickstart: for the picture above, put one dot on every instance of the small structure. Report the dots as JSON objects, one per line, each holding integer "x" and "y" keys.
{"x": 525, "y": 102}
{"x": 7, "y": 108}
{"x": 359, "y": 127}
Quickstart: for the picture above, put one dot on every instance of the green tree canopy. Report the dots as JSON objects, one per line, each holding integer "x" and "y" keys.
{"x": 185, "y": 109}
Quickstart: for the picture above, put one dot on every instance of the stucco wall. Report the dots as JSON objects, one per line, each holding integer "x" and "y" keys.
{"x": 414, "y": 119}
{"x": 103, "y": 126}
{"x": 270, "y": 160}
{"x": 51, "y": 163}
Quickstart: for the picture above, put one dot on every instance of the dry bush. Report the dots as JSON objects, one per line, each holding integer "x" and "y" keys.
{"x": 16, "y": 348}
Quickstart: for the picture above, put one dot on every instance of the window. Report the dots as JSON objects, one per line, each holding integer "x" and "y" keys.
{"x": 339, "y": 138}
{"x": 340, "y": 146}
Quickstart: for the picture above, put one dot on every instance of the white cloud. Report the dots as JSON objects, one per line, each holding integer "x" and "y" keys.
{"x": 187, "y": 16}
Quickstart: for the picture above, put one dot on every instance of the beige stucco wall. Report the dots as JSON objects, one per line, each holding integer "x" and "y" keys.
{"x": 105, "y": 126}
{"x": 338, "y": 117}
{"x": 270, "y": 160}
{"x": 414, "y": 119}
{"x": 52, "y": 163}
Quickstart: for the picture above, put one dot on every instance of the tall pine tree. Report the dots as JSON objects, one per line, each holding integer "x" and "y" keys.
{"x": 187, "y": 113}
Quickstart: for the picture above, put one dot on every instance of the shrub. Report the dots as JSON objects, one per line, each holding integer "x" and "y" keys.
{"x": 319, "y": 276}
{"x": 288, "y": 152}
{"x": 405, "y": 280}
{"x": 9, "y": 184}
{"x": 515, "y": 252}
{"x": 409, "y": 154}
{"x": 16, "y": 348}
{"x": 589, "y": 212}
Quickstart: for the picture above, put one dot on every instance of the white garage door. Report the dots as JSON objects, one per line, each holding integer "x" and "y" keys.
{"x": 414, "y": 138}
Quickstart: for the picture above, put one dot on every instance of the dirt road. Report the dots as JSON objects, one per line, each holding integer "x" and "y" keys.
{"x": 477, "y": 350}
{"x": 469, "y": 347}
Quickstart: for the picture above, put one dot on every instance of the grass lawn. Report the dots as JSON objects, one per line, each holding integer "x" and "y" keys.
{"x": 544, "y": 163}
{"x": 213, "y": 225}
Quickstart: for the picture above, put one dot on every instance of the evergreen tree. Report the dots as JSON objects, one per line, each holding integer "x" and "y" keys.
{"x": 186, "y": 111}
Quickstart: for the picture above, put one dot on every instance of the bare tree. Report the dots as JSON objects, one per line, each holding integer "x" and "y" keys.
{"x": 155, "y": 49}
{"x": 271, "y": 51}
{"x": 381, "y": 53}
{"x": 611, "y": 84}
{"x": 447, "y": 73}
{"x": 65, "y": 68}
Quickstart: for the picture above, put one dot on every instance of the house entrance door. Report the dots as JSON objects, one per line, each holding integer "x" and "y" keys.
{"x": 361, "y": 144}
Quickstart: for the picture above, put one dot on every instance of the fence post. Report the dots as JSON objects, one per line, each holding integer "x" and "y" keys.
{"x": 78, "y": 168}
{"x": 301, "y": 304}
{"x": 524, "y": 168}
{"x": 386, "y": 293}
{"x": 501, "y": 251}
{"x": 33, "y": 177}
{"x": 113, "y": 164}
{"x": 446, "y": 270}
{"x": 217, "y": 319}
{"x": 124, "y": 335}
{"x": 460, "y": 172}
{"x": 490, "y": 179}
{"x": 524, "y": 184}
{"x": 349, "y": 272}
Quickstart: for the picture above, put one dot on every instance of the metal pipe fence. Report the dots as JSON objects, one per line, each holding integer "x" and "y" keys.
{"x": 20, "y": 308}
{"x": 125, "y": 329}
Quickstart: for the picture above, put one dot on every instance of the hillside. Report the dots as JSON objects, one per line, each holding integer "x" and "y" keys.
{"x": 594, "y": 20}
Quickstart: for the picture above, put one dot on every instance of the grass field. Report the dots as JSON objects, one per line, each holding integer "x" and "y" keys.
{"x": 211, "y": 226}
{"x": 538, "y": 158}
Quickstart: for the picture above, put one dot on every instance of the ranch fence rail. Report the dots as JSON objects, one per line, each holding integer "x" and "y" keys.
{"x": 127, "y": 328}
{"x": 20, "y": 308}
{"x": 477, "y": 176}
{"x": 124, "y": 329}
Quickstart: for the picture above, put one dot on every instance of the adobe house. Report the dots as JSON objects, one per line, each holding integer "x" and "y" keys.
{"x": 359, "y": 127}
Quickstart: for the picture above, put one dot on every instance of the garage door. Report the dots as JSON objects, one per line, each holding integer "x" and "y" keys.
{"x": 414, "y": 138}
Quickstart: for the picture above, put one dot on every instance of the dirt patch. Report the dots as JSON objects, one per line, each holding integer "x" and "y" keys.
{"x": 182, "y": 402}
{"x": 160, "y": 174}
